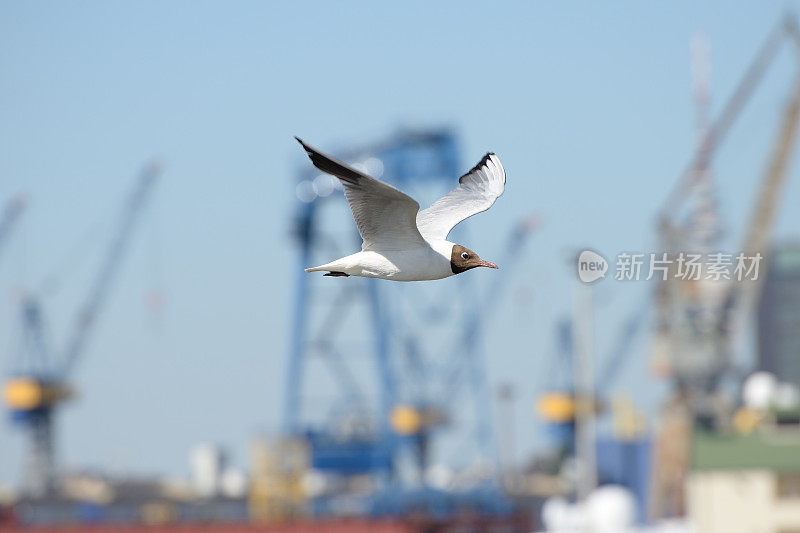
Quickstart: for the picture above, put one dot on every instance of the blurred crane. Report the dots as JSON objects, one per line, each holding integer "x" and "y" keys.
{"x": 10, "y": 216}
{"x": 698, "y": 321}
{"x": 558, "y": 403}
{"x": 621, "y": 347}
{"x": 38, "y": 384}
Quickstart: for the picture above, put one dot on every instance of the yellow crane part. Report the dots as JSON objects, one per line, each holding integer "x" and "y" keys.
{"x": 27, "y": 394}
{"x": 556, "y": 407}
{"x": 410, "y": 420}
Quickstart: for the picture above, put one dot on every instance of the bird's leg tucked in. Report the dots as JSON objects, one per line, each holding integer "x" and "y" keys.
{"x": 337, "y": 274}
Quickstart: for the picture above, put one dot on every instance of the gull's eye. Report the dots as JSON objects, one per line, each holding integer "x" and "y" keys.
{"x": 464, "y": 255}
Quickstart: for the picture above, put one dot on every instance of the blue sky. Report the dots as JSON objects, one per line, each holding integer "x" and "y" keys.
{"x": 587, "y": 103}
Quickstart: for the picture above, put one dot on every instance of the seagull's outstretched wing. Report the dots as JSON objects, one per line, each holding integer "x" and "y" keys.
{"x": 476, "y": 192}
{"x": 386, "y": 218}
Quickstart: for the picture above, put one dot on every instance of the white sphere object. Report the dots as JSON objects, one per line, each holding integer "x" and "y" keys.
{"x": 233, "y": 483}
{"x": 305, "y": 191}
{"x": 758, "y": 391}
{"x": 323, "y": 185}
{"x": 560, "y": 515}
{"x": 374, "y": 167}
{"x": 611, "y": 508}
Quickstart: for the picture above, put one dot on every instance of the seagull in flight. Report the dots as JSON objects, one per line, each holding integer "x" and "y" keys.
{"x": 402, "y": 243}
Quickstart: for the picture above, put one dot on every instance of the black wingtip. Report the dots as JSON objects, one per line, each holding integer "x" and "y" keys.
{"x": 480, "y": 163}
{"x": 326, "y": 163}
{"x": 309, "y": 151}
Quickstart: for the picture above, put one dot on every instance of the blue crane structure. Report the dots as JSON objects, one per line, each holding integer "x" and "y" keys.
{"x": 39, "y": 380}
{"x": 10, "y": 216}
{"x": 386, "y": 378}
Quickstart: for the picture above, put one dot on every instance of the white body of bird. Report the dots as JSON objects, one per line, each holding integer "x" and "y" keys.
{"x": 417, "y": 264}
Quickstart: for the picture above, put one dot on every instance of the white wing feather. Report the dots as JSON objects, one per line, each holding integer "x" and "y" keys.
{"x": 476, "y": 192}
{"x": 385, "y": 217}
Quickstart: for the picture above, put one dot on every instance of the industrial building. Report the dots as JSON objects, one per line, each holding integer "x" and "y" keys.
{"x": 779, "y": 315}
{"x": 745, "y": 482}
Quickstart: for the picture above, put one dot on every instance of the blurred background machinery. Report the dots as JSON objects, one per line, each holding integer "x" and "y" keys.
{"x": 698, "y": 324}
{"x": 621, "y": 449}
{"x": 386, "y": 382}
{"x": 698, "y": 321}
{"x": 9, "y": 217}
{"x": 698, "y": 338}
{"x": 38, "y": 383}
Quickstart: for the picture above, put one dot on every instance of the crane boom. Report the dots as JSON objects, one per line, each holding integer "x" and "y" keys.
{"x": 11, "y": 214}
{"x": 621, "y": 348}
{"x": 99, "y": 290}
{"x": 743, "y": 295}
{"x": 719, "y": 129}
{"x": 763, "y": 216}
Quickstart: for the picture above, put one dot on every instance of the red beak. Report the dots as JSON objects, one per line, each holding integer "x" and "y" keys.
{"x": 487, "y": 264}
